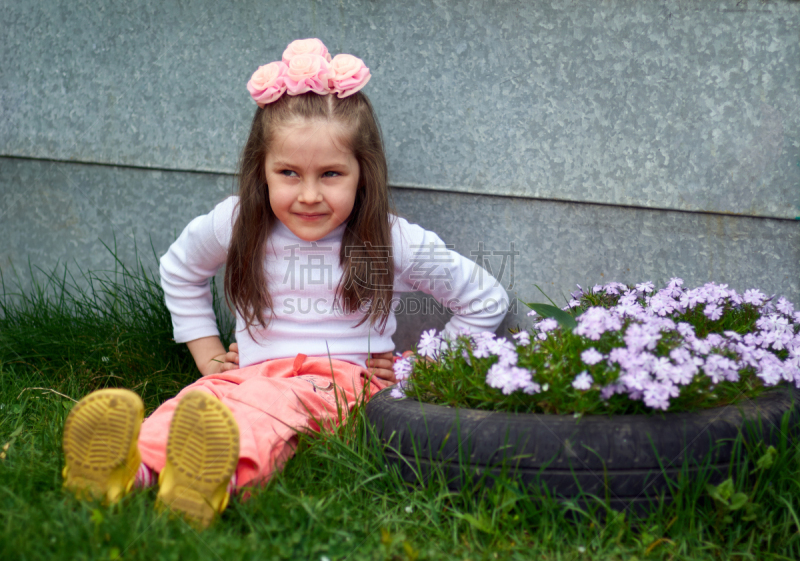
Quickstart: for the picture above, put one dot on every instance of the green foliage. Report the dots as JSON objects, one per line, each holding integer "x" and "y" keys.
{"x": 547, "y": 311}
{"x": 728, "y": 501}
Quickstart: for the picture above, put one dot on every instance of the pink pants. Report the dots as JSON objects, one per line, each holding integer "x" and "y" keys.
{"x": 271, "y": 402}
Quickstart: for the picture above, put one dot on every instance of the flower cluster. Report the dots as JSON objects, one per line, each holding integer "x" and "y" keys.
{"x": 306, "y": 66}
{"x": 402, "y": 370}
{"x": 645, "y": 345}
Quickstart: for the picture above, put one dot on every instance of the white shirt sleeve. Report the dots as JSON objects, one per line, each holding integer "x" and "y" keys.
{"x": 187, "y": 267}
{"x": 424, "y": 262}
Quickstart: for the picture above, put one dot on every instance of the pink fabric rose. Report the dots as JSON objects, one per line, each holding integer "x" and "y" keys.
{"x": 306, "y": 47}
{"x": 268, "y": 83}
{"x": 308, "y": 73}
{"x": 349, "y": 75}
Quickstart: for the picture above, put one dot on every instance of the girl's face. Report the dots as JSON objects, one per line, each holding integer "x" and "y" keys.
{"x": 312, "y": 178}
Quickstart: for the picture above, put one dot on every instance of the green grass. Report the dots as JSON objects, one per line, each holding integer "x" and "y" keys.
{"x": 336, "y": 498}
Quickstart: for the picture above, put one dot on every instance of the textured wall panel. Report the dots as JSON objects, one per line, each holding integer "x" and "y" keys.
{"x": 59, "y": 212}
{"x": 690, "y": 105}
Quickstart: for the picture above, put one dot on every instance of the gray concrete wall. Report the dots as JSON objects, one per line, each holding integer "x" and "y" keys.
{"x": 687, "y": 104}
{"x": 625, "y": 140}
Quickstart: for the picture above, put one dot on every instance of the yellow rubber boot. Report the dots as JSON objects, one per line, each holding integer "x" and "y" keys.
{"x": 202, "y": 453}
{"x": 100, "y": 444}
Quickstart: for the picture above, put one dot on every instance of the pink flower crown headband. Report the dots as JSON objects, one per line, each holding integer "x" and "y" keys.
{"x": 307, "y": 67}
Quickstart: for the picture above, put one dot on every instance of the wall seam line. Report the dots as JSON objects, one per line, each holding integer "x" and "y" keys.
{"x": 432, "y": 189}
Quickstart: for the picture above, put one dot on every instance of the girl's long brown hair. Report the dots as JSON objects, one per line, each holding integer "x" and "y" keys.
{"x": 365, "y": 256}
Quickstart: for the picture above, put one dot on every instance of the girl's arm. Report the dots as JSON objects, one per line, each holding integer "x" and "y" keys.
{"x": 210, "y": 355}
{"x": 424, "y": 262}
{"x": 185, "y": 270}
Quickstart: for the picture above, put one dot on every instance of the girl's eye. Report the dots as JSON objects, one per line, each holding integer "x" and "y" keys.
{"x": 286, "y": 172}
{"x": 330, "y": 174}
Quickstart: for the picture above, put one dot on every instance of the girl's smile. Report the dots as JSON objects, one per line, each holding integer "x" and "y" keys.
{"x": 312, "y": 178}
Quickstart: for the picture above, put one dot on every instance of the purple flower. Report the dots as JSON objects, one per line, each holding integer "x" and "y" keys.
{"x": 733, "y": 336}
{"x": 750, "y": 355}
{"x": 546, "y": 325}
{"x": 793, "y": 371}
{"x": 734, "y": 297}
{"x": 631, "y": 362}
{"x": 645, "y": 287}
{"x": 591, "y": 356}
{"x": 595, "y": 321}
{"x": 661, "y": 324}
{"x": 509, "y": 379}
{"x": 686, "y": 365}
{"x": 523, "y": 337}
{"x": 662, "y": 304}
{"x": 481, "y": 342}
{"x": 628, "y": 306}
{"x": 402, "y": 368}
{"x": 505, "y": 350}
{"x": 770, "y": 369}
{"x": 784, "y": 306}
{"x": 753, "y": 339}
{"x": 712, "y": 312}
{"x": 635, "y": 380}
{"x": 398, "y": 391}
{"x": 611, "y": 389}
{"x": 691, "y": 298}
{"x": 684, "y": 373}
{"x": 754, "y": 297}
{"x": 680, "y": 355}
{"x": 720, "y": 368}
{"x": 712, "y": 293}
{"x": 673, "y": 288}
{"x": 663, "y": 369}
{"x": 776, "y": 331}
{"x": 657, "y": 395}
{"x": 641, "y": 336}
{"x": 700, "y": 346}
{"x": 572, "y": 304}
{"x": 582, "y": 381}
{"x": 429, "y": 344}
{"x": 614, "y": 288}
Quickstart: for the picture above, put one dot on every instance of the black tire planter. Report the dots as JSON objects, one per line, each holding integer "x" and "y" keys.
{"x": 631, "y": 459}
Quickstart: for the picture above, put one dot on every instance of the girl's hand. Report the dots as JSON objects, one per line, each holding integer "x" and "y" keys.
{"x": 210, "y": 355}
{"x": 226, "y": 361}
{"x": 381, "y": 365}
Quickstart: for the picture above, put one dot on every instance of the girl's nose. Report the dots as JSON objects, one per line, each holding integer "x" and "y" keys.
{"x": 310, "y": 193}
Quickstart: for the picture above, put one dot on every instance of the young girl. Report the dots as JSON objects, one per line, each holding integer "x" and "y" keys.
{"x": 313, "y": 258}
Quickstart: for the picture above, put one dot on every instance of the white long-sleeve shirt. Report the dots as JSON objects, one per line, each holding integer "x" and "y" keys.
{"x": 302, "y": 278}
